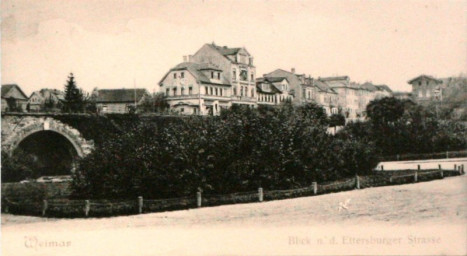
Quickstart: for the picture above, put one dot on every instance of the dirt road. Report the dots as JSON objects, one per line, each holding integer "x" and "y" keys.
{"x": 424, "y": 218}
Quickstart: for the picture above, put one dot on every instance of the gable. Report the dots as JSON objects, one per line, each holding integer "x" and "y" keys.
{"x": 13, "y": 91}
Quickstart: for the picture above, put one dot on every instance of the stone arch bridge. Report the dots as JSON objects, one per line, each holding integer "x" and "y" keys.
{"x": 45, "y": 137}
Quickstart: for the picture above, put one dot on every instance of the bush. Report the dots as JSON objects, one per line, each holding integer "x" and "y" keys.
{"x": 276, "y": 148}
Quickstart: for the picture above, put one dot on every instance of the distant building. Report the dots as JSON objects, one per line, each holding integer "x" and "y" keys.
{"x": 197, "y": 88}
{"x": 402, "y": 95}
{"x": 300, "y": 86}
{"x": 118, "y": 100}
{"x": 383, "y": 91}
{"x": 46, "y": 100}
{"x": 348, "y": 95}
{"x": 426, "y": 88}
{"x": 237, "y": 67}
{"x": 272, "y": 91}
{"x": 326, "y": 97}
{"x": 13, "y": 98}
{"x": 214, "y": 78}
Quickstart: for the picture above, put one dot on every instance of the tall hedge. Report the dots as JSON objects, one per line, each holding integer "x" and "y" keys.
{"x": 276, "y": 148}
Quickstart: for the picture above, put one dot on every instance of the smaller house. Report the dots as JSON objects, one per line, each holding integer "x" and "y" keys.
{"x": 119, "y": 101}
{"x": 272, "y": 90}
{"x": 46, "y": 100}
{"x": 426, "y": 88}
{"x": 13, "y": 98}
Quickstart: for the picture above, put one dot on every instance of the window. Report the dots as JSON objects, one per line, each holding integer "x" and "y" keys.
{"x": 244, "y": 75}
{"x": 211, "y": 91}
{"x": 175, "y": 75}
{"x": 241, "y": 91}
{"x": 212, "y": 75}
{"x": 175, "y": 91}
{"x": 420, "y": 83}
{"x": 182, "y": 74}
{"x": 303, "y": 93}
{"x": 182, "y": 91}
{"x": 234, "y": 75}
{"x": 190, "y": 90}
{"x": 252, "y": 77}
{"x": 252, "y": 92}
{"x": 235, "y": 91}
{"x": 220, "y": 90}
{"x": 219, "y": 76}
{"x": 217, "y": 92}
{"x": 182, "y": 110}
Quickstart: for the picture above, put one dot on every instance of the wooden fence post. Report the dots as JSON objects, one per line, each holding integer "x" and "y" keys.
{"x": 441, "y": 171}
{"x": 6, "y": 206}
{"x": 260, "y": 194}
{"x": 357, "y": 181}
{"x": 44, "y": 207}
{"x": 87, "y": 207}
{"x": 140, "y": 204}
{"x": 415, "y": 176}
{"x": 315, "y": 187}
{"x": 198, "y": 199}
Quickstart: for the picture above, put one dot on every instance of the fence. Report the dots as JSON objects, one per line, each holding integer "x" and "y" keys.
{"x": 100, "y": 208}
{"x": 438, "y": 155}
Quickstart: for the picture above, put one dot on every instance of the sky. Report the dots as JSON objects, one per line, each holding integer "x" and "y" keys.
{"x": 127, "y": 43}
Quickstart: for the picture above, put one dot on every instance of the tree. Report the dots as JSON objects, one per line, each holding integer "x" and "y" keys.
{"x": 74, "y": 101}
{"x": 18, "y": 166}
{"x": 336, "y": 120}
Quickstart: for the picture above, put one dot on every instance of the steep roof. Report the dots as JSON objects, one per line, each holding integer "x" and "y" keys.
{"x": 383, "y": 87}
{"x": 369, "y": 87}
{"x": 7, "y": 87}
{"x": 224, "y": 50}
{"x": 333, "y": 78}
{"x": 120, "y": 95}
{"x": 424, "y": 76}
{"x": 323, "y": 87}
{"x": 196, "y": 70}
{"x": 274, "y": 88}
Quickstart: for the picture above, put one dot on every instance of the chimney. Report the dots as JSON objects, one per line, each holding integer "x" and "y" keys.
{"x": 293, "y": 70}
{"x": 185, "y": 59}
{"x": 190, "y": 58}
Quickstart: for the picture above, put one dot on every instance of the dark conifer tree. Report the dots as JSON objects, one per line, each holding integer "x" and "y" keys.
{"x": 73, "y": 96}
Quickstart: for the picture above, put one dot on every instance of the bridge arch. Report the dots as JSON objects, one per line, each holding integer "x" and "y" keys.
{"x": 23, "y": 128}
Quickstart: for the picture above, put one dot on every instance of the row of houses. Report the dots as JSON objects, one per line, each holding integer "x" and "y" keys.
{"x": 51, "y": 100}
{"x": 217, "y": 77}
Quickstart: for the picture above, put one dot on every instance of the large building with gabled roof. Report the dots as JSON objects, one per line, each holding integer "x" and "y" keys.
{"x": 214, "y": 78}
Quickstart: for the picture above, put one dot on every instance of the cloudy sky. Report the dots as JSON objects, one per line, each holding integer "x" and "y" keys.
{"x": 112, "y": 43}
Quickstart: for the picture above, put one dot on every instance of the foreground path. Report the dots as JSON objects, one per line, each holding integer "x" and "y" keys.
{"x": 424, "y": 218}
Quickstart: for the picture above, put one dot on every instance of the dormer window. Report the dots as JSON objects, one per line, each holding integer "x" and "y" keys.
{"x": 175, "y": 75}
{"x": 219, "y": 76}
{"x": 212, "y": 75}
{"x": 182, "y": 75}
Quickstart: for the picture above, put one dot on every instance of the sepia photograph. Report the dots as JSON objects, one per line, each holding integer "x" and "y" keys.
{"x": 263, "y": 127}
